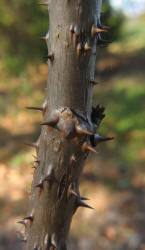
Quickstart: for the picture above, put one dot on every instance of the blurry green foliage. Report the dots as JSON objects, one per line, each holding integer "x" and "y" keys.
{"x": 22, "y": 23}
{"x": 112, "y": 18}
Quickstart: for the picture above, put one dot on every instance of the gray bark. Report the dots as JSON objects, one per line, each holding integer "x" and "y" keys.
{"x": 68, "y": 127}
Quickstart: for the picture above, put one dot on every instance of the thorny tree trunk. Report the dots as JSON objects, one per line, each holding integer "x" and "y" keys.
{"x": 69, "y": 123}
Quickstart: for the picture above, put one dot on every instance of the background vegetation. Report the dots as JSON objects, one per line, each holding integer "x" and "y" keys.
{"x": 114, "y": 181}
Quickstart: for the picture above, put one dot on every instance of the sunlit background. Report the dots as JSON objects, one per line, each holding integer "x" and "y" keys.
{"x": 114, "y": 181}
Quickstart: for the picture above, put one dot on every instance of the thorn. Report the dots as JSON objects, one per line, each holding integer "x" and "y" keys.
{"x": 98, "y": 139}
{"x": 50, "y": 56}
{"x": 87, "y": 47}
{"x": 71, "y": 192}
{"x": 52, "y": 120}
{"x": 84, "y": 198}
{"x": 34, "y": 145}
{"x": 71, "y": 31}
{"x": 39, "y": 108}
{"x": 45, "y": 37}
{"x": 93, "y": 82}
{"x": 48, "y": 180}
{"x": 76, "y": 30}
{"x": 40, "y": 188}
{"x": 22, "y": 222}
{"x": 45, "y": 4}
{"x": 75, "y": 35}
{"x": 72, "y": 159}
{"x": 105, "y": 27}
{"x": 86, "y": 147}
{"x": 68, "y": 128}
{"x": 83, "y": 204}
{"x": 96, "y": 31}
{"x": 30, "y": 218}
{"x": 79, "y": 48}
{"x": 82, "y": 131}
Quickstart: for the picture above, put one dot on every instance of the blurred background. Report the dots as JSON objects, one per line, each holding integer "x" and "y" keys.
{"x": 115, "y": 180}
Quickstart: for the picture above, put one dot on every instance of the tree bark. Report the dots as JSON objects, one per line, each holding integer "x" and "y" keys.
{"x": 69, "y": 124}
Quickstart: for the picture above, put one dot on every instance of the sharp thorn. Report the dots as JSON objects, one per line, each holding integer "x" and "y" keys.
{"x": 50, "y": 57}
{"x": 84, "y": 198}
{"x": 52, "y": 120}
{"x": 72, "y": 159}
{"x": 40, "y": 188}
{"x": 29, "y": 218}
{"x": 87, "y": 47}
{"x": 86, "y": 147}
{"x": 34, "y": 145}
{"x": 39, "y": 108}
{"x": 45, "y": 4}
{"x": 98, "y": 139}
{"x": 96, "y": 31}
{"x": 68, "y": 128}
{"x": 23, "y": 222}
{"x": 82, "y": 131}
{"x": 79, "y": 49}
{"x": 71, "y": 192}
{"x": 83, "y": 204}
{"x": 93, "y": 82}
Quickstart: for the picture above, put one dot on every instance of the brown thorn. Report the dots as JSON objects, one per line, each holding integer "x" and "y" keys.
{"x": 86, "y": 147}
{"x": 45, "y": 4}
{"x": 96, "y": 31}
{"x": 52, "y": 121}
{"x": 93, "y": 82}
{"x": 39, "y": 108}
{"x": 34, "y": 145}
{"x": 87, "y": 47}
{"x": 71, "y": 192}
{"x": 68, "y": 128}
{"x": 40, "y": 188}
{"x": 50, "y": 57}
{"x": 82, "y": 131}
{"x": 72, "y": 159}
{"x": 79, "y": 48}
{"x": 30, "y": 218}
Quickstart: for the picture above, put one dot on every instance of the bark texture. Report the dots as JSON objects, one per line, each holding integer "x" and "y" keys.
{"x": 69, "y": 123}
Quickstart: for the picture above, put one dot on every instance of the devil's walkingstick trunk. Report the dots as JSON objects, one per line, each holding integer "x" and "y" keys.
{"x": 69, "y": 124}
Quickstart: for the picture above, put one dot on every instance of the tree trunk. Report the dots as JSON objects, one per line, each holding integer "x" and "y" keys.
{"x": 69, "y": 123}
